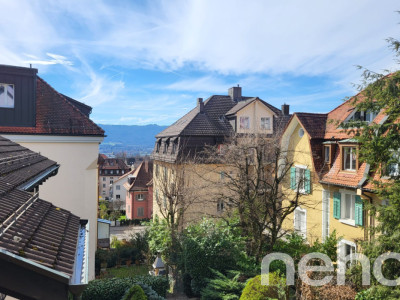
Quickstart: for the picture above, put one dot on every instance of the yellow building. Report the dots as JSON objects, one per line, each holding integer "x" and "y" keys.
{"x": 331, "y": 179}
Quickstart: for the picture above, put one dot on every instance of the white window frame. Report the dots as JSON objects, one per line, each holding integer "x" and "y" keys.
{"x": 118, "y": 197}
{"x": 303, "y": 227}
{"x": 326, "y": 195}
{"x": 5, "y": 101}
{"x": 348, "y": 221}
{"x": 351, "y": 168}
{"x": 140, "y": 198}
{"x": 244, "y": 122}
{"x": 342, "y": 249}
{"x": 265, "y": 123}
{"x": 327, "y": 154}
{"x": 302, "y": 187}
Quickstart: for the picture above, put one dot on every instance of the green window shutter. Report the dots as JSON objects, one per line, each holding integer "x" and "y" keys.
{"x": 293, "y": 178}
{"x": 358, "y": 211}
{"x": 336, "y": 205}
{"x": 307, "y": 184}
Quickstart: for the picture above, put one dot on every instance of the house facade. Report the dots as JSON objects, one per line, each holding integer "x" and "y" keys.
{"x": 329, "y": 175}
{"x": 139, "y": 196}
{"x": 46, "y": 121}
{"x": 210, "y": 123}
{"x": 110, "y": 170}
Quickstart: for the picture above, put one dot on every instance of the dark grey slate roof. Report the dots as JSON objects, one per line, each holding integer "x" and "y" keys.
{"x": 211, "y": 121}
{"x": 40, "y": 231}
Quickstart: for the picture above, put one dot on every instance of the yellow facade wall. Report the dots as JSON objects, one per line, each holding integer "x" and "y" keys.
{"x": 203, "y": 182}
{"x": 299, "y": 151}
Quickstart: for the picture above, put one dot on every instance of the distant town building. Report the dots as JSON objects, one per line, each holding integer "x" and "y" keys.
{"x": 139, "y": 198}
{"x": 110, "y": 169}
{"x": 35, "y": 115}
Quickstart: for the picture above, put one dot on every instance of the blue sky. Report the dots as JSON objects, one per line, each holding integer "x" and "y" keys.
{"x": 146, "y": 62}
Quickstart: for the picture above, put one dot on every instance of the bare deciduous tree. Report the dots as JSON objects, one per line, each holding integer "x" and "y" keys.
{"x": 255, "y": 184}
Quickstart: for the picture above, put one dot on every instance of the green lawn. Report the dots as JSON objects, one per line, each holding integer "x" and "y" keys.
{"x": 130, "y": 271}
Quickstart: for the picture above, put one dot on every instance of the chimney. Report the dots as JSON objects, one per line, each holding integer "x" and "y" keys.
{"x": 235, "y": 93}
{"x": 146, "y": 166}
{"x": 285, "y": 109}
{"x": 200, "y": 105}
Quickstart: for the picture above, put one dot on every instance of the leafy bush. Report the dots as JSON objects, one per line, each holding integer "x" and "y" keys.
{"x": 379, "y": 292}
{"x": 223, "y": 287}
{"x": 115, "y": 288}
{"x": 141, "y": 242}
{"x": 159, "y": 284}
{"x": 135, "y": 293}
{"x": 255, "y": 291}
{"x": 210, "y": 245}
{"x": 106, "y": 289}
{"x": 329, "y": 246}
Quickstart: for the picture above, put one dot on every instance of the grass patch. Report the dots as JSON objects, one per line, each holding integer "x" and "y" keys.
{"x": 130, "y": 271}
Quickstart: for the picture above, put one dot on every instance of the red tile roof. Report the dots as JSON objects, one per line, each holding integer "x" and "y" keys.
{"x": 337, "y": 176}
{"x": 143, "y": 174}
{"x": 55, "y": 115}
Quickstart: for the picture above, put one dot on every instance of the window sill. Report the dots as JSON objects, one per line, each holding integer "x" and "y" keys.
{"x": 348, "y": 222}
{"x": 348, "y": 171}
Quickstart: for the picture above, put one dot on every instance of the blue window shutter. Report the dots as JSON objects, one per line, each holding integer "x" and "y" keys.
{"x": 307, "y": 184}
{"x": 293, "y": 178}
{"x": 336, "y": 205}
{"x": 358, "y": 211}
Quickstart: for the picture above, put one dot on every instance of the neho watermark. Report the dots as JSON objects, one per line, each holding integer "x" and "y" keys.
{"x": 303, "y": 268}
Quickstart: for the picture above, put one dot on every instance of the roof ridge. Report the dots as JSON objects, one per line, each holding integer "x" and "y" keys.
{"x": 70, "y": 104}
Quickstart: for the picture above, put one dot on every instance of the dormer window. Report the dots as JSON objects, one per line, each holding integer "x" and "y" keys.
{"x": 265, "y": 123}
{"x": 365, "y": 116}
{"x": 6, "y": 95}
{"x": 327, "y": 154}
{"x": 166, "y": 145}
{"x": 244, "y": 123}
{"x": 349, "y": 158}
{"x": 393, "y": 169}
{"x": 158, "y": 145}
{"x": 174, "y": 146}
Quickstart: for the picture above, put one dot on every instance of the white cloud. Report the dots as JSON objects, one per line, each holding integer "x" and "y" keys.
{"x": 54, "y": 60}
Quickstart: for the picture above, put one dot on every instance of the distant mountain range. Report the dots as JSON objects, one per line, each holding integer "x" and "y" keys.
{"x": 133, "y": 139}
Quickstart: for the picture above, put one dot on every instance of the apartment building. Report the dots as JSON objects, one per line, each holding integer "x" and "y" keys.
{"x": 210, "y": 123}
{"x": 110, "y": 169}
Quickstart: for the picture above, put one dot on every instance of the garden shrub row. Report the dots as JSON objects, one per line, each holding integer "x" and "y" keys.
{"x": 116, "y": 288}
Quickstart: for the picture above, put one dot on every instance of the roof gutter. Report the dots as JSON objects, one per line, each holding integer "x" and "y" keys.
{"x": 79, "y": 278}
{"x": 39, "y": 179}
{"x": 36, "y": 267}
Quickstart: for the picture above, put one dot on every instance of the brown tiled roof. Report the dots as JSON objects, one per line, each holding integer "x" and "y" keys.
{"x": 142, "y": 176}
{"x": 42, "y": 232}
{"x": 56, "y": 115}
{"x": 313, "y": 124}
